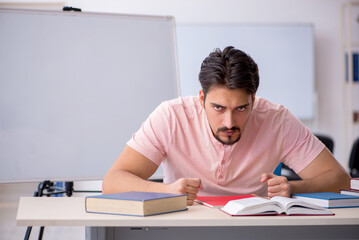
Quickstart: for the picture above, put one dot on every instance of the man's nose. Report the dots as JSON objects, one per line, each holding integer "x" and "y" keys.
{"x": 228, "y": 120}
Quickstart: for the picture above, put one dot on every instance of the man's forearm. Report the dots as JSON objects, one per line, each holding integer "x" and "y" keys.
{"x": 330, "y": 181}
{"x": 122, "y": 181}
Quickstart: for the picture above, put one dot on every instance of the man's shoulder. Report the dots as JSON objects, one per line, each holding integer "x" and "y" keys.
{"x": 185, "y": 103}
{"x": 263, "y": 105}
{"x": 265, "y": 111}
{"x": 182, "y": 110}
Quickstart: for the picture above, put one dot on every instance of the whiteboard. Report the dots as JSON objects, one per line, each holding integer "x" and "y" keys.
{"x": 284, "y": 54}
{"x": 74, "y": 87}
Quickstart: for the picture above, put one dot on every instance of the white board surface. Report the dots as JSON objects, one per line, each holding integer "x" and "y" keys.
{"x": 74, "y": 87}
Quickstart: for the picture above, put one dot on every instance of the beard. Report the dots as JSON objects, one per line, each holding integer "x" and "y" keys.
{"x": 228, "y": 139}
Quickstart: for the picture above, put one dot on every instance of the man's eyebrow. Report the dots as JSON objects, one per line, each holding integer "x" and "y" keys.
{"x": 219, "y": 105}
{"x": 244, "y": 105}
{"x": 216, "y": 105}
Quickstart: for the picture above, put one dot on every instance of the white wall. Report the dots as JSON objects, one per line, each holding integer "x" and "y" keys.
{"x": 324, "y": 14}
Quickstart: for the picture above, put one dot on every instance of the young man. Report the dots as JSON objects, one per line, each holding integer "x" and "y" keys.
{"x": 226, "y": 141}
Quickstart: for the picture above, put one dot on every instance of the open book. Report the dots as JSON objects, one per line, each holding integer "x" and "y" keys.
{"x": 274, "y": 206}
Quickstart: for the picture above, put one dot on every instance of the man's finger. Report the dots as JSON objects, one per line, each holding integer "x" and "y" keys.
{"x": 191, "y": 196}
{"x": 200, "y": 184}
{"x": 277, "y": 181}
{"x": 190, "y": 202}
{"x": 194, "y": 182}
{"x": 266, "y": 176}
{"x": 274, "y": 189}
{"x": 192, "y": 190}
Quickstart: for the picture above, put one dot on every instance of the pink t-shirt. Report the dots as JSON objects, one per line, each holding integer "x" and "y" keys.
{"x": 178, "y": 136}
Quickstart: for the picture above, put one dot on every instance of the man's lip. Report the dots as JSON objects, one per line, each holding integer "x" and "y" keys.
{"x": 229, "y": 132}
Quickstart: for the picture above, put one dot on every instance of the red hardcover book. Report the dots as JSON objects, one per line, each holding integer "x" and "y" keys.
{"x": 219, "y": 201}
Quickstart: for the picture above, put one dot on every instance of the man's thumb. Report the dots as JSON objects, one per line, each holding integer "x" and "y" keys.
{"x": 266, "y": 176}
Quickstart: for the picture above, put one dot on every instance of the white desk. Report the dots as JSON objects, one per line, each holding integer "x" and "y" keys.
{"x": 201, "y": 221}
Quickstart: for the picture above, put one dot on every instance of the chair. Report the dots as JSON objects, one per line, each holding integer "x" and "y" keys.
{"x": 327, "y": 141}
{"x": 354, "y": 160}
{"x": 278, "y": 169}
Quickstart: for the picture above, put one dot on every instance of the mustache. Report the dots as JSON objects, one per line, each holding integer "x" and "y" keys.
{"x": 226, "y": 129}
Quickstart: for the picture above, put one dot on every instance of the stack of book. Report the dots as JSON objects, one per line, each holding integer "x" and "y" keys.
{"x": 354, "y": 187}
{"x": 329, "y": 199}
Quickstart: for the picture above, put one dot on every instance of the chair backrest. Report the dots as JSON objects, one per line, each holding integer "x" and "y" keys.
{"x": 327, "y": 141}
{"x": 354, "y": 159}
{"x": 278, "y": 169}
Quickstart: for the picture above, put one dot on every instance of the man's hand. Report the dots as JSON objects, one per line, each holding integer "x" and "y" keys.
{"x": 188, "y": 186}
{"x": 277, "y": 185}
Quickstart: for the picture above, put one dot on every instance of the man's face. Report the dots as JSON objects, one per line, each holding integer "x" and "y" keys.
{"x": 227, "y": 112}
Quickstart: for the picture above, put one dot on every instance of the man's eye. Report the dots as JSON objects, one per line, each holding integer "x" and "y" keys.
{"x": 241, "y": 109}
{"x": 217, "y": 108}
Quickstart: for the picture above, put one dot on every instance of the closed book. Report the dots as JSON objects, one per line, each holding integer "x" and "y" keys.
{"x": 354, "y": 183}
{"x": 219, "y": 201}
{"x": 329, "y": 199}
{"x": 350, "y": 192}
{"x": 255, "y": 206}
{"x": 136, "y": 203}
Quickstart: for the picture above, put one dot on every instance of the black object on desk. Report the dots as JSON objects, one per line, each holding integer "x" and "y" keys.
{"x": 66, "y": 8}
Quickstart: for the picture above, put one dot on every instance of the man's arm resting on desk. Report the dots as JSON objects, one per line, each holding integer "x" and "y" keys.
{"x": 131, "y": 171}
{"x": 324, "y": 174}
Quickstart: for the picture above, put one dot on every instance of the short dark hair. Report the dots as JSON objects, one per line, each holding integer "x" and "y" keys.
{"x": 231, "y": 68}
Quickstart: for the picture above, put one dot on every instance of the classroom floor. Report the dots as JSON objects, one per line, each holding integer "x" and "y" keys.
{"x": 9, "y": 197}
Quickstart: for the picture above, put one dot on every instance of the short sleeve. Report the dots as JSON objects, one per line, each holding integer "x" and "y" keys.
{"x": 150, "y": 140}
{"x": 300, "y": 146}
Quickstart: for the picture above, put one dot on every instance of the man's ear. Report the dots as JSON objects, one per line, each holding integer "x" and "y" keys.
{"x": 253, "y": 99}
{"x": 201, "y": 97}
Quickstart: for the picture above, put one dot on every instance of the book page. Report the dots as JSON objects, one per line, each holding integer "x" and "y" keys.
{"x": 295, "y": 206}
{"x": 283, "y": 201}
{"x": 290, "y": 202}
{"x": 253, "y": 205}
